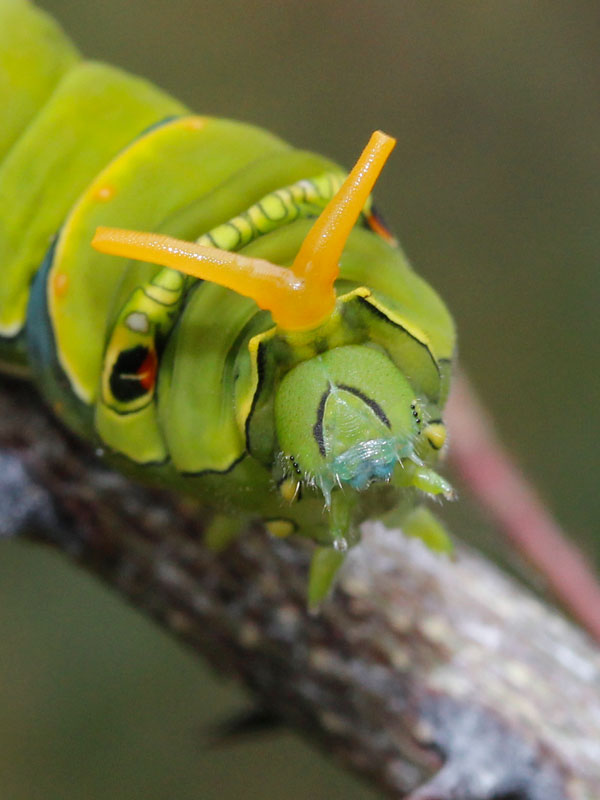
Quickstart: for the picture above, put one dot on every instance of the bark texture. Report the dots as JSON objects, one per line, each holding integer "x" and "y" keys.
{"x": 434, "y": 679}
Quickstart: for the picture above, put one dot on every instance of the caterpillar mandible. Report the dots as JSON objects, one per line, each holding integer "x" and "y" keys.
{"x": 287, "y": 366}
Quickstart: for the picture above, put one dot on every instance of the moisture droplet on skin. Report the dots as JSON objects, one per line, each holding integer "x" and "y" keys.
{"x": 340, "y": 544}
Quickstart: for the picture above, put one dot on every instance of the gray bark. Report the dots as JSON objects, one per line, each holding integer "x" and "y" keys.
{"x": 435, "y": 679}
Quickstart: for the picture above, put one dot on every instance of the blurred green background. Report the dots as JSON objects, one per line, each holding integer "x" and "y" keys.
{"x": 494, "y": 192}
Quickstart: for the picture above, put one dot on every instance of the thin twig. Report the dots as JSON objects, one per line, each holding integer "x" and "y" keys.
{"x": 499, "y": 485}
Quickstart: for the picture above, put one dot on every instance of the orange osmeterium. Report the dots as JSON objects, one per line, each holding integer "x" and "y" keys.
{"x": 299, "y": 298}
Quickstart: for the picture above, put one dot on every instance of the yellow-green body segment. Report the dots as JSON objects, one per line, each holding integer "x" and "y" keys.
{"x": 182, "y": 381}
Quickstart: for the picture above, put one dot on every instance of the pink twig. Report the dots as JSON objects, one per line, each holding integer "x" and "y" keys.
{"x": 501, "y": 488}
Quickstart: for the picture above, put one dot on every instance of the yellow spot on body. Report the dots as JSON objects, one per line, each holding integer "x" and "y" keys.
{"x": 288, "y": 489}
{"x": 280, "y": 528}
{"x": 104, "y": 193}
{"x": 57, "y": 407}
{"x": 436, "y": 435}
{"x": 274, "y": 207}
{"x": 60, "y": 284}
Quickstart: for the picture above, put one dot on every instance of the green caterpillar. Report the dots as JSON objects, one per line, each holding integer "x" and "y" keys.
{"x": 278, "y": 369}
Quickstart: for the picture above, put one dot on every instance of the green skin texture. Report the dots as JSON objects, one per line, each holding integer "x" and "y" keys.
{"x": 253, "y": 421}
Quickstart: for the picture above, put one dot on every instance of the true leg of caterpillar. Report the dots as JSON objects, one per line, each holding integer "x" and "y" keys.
{"x": 421, "y": 477}
{"x": 324, "y": 565}
{"x": 221, "y": 531}
{"x": 326, "y": 561}
{"x": 421, "y": 523}
{"x": 418, "y": 522}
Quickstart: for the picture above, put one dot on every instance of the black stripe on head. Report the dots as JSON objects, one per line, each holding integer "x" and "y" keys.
{"x": 318, "y": 426}
{"x": 373, "y": 405}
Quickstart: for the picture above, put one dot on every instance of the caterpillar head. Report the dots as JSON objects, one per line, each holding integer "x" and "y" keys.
{"x": 345, "y": 418}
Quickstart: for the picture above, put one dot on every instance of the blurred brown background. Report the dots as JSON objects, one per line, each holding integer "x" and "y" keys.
{"x": 494, "y": 192}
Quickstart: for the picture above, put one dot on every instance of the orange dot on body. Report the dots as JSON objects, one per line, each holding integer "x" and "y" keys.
{"x": 194, "y": 123}
{"x": 60, "y": 284}
{"x": 104, "y": 193}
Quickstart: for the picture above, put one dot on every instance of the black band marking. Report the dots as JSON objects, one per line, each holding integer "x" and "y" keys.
{"x": 260, "y": 375}
{"x": 373, "y": 404}
{"x": 364, "y": 301}
{"x": 318, "y": 426}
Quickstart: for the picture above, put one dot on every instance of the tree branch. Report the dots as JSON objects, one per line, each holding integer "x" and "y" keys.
{"x": 436, "y": 679}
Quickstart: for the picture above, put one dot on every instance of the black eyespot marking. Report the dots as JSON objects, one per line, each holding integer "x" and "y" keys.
{"x": 132, "y": 375}
{"x": 373, "y": 405}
